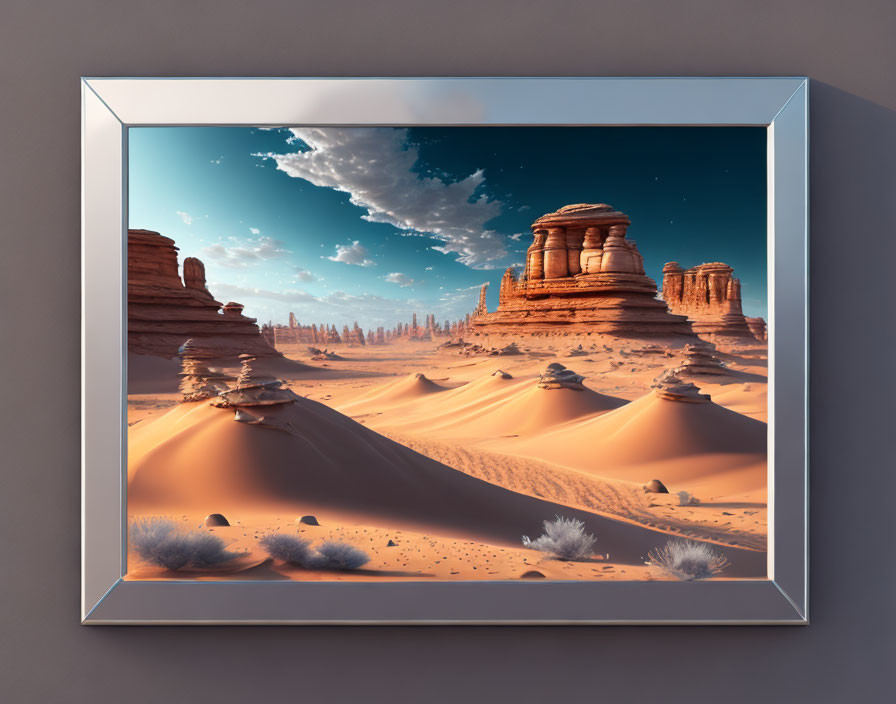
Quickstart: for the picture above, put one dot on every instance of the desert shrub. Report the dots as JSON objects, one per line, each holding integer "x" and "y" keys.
{"x": 565, "y": 539}
{"x": 288, "y": 548}
{"x": 686, "y": 499}
{"x": 160, "y": 541}
{"x": 688, "y": 560}
{"x": 339, "y": 556}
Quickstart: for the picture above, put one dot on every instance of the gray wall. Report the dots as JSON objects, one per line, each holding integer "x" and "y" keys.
{"x": 847, "y": 48}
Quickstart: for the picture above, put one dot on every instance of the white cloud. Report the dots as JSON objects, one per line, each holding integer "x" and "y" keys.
{"x": 254, "y": 230}
{"x": 245, "y": 252}
{"x": 186, "y": 217}
{"x": 217, "y": 161}
{"x": 517, "y": 236}
{"x": 429, "y": 268}
{"x": 303, "y": 275}
{"x": 373, "y": 165}
{"x": 402, "y": 280}
{"x": 354, "y": 253}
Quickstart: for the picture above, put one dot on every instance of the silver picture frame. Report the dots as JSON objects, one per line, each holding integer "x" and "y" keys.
{"x": 111, "y": 106}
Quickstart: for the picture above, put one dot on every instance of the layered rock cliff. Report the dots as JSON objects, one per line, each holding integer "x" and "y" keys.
{"x": 164, "y": 311}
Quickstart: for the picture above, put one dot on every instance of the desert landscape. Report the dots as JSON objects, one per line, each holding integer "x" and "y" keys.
{"x": 593, "y": 426}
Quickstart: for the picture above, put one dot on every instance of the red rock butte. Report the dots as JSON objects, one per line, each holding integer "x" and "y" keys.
{"x": 165, "y": 311}
{"x": 709, "y": 295}
{"x": 582, "y": 275}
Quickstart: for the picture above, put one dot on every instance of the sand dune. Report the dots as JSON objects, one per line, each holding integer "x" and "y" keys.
{"x": 653, "y": 437}
{"x": 747, "y": 399}
{"x": 404, "y": 390}
{"x": 529, "y": 411}
{"x": 428, "y": 413}
{"x": 496, "y": 406}
{"x": 197, "y": 457}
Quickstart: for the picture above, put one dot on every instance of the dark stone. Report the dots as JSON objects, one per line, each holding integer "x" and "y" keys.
{"x": 215, "y": 520}
{"x": 655, "y": 486}
{"x": 391, "y": 544}
{"x": 532, "y": 574}
{"x": 309, "y": 521}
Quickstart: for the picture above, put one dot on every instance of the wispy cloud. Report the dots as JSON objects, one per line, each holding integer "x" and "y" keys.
{"x": 402, "y": 280}
{"x": 254, "y": 230}
{"x": 374, "y": 166}
{"x": 354, "y": 254}
{"x": 217, "y": 161}
{"x": 303, "y": 275}
{"x": 241, "y": 253}
{"x": 186, "y": 217}
{"x": 229, "y": 291}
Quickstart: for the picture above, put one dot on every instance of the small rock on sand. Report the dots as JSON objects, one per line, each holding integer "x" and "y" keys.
{"x": 532, "y": 574}
{"x": 308, "y": 521}
{"x": 391, "y": 544}
{"x": 655, "y": 486}
{"x": 215, "y": 520}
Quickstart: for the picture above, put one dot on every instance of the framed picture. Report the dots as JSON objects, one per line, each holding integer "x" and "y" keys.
{"x": 458, "y": 350}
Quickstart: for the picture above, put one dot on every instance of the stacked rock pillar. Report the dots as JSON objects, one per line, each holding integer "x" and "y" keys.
{"x": 535, "y": 257}
{"x": 617, "y": 258}
{"x": 194, "y": 274}
{"x": 732, "y": 297}
{"x": 574, "y": 244}
{"x": 673, "y": 283}
{"x": 592, "y": 251}
{"x": 556, "y": 258}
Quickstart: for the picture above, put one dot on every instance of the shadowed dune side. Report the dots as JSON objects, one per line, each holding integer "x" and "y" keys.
{"x": 149, "y": 374}
{"x": 196, "y": 457}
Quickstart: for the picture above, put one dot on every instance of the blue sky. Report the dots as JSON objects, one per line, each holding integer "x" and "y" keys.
{"x": 374, "y": 224}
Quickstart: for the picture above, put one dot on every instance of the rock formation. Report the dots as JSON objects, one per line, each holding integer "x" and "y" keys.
{"x": 699, "y": 359}
{"x": 324, "y": 355}
{"x": 325, "y": 334}
{"x": 254, "y": 391}
{"x": 655, "y": 486}
{"x": 164, "y": 311}
{"x": 758, "y": 328}
{"x": 582, "y": 275}
{"x": 672, "y": 388}
{"x": 709, "y": 296}
{"x": 198, "y": 382}
{"x": 556, "y": 376}
{"x": 469, "y": 349}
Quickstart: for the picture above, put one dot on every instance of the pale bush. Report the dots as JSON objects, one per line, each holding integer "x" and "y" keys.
{"x": 160, "y": 541}
{"x": 687, "y": 560}
{"x": 565, "y": 539}
{"x": 288, "y": 548}
{"x": 687, "y": 499}
{"x": 339, "y": 556}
